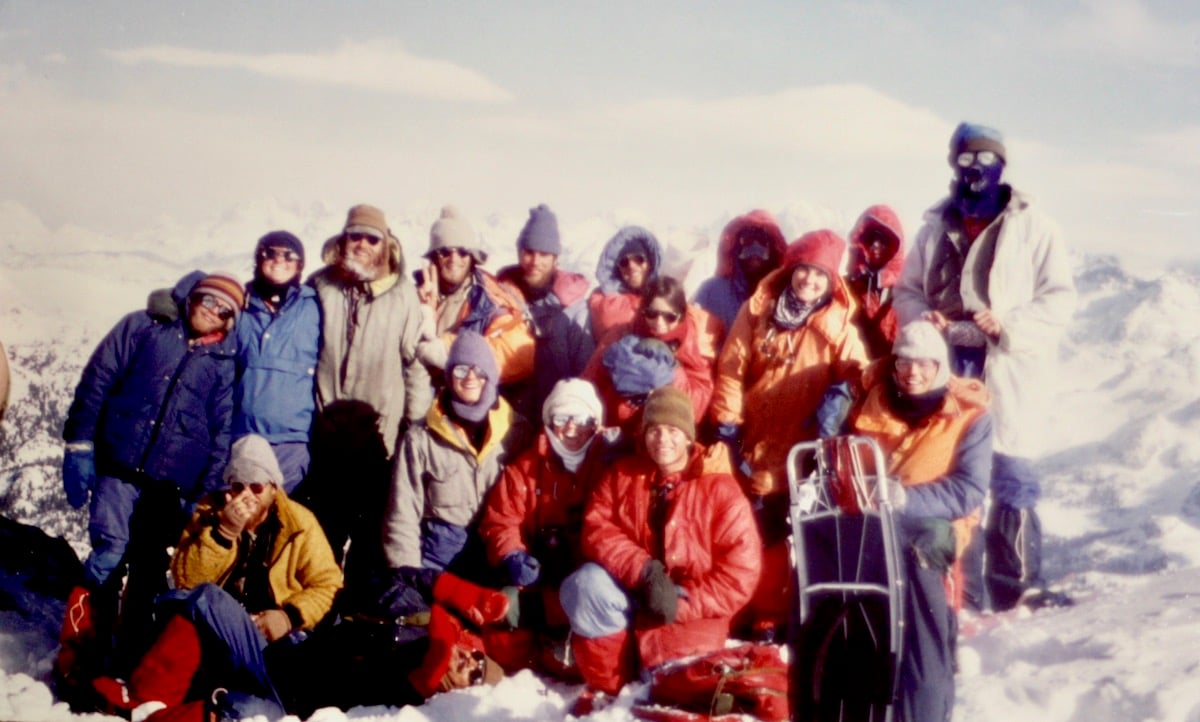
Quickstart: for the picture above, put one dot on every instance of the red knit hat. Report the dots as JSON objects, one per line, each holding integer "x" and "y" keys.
{"x": 821, "y": 249}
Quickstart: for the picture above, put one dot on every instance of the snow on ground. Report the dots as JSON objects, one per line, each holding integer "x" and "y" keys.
{"x": 1121, "y": 504}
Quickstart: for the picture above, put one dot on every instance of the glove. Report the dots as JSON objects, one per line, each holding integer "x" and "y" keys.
{"x": 523, "y": 569}
{"x": 478, "y": 604}
{"x": 897, "y": 495}
{"x": 79, "y": 475}
{"x": 731, "y": 436}
{"x": 660, "y": 598}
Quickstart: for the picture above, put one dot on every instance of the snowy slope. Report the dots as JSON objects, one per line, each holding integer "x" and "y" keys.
{"x": 1121, "y": 504}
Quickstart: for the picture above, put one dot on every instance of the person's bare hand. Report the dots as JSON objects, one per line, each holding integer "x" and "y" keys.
{"x": 988, "y": 323}
{"x": 428, "y": 290}
{"x": 273, "y": 623}
{"x": 939, "y": 321}
{"x": 237, "y": 512}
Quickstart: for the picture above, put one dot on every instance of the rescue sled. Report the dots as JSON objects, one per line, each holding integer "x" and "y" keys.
{"x": 847, "y": 620}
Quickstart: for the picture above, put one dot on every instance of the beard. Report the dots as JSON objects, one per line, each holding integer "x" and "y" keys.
{"x": 359, "y": 271}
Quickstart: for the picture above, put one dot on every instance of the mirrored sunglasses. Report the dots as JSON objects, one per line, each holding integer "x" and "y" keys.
{"x": 968, "y": 158}
{"x": 363, "y": 238}
{"x": 653, "y": 314}
{"x": 927, "y": 365}
{"x": 278, "y": 254}
{"x": 210, "y": 302}
{"x": 460, "y": 372}
{"x": 632, "y": 259}
{"x": 447, "y": 252}
{"x": 237, "y": 487}
{"x": 560, "y": 421}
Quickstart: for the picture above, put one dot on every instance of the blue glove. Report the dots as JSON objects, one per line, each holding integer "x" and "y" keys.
{"x": 833, "y": 410}
{"x": 79, "y": 475}
{"x": 522, "y": 568}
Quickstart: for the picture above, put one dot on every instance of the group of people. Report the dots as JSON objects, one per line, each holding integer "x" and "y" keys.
{"x": 376, "y": 483}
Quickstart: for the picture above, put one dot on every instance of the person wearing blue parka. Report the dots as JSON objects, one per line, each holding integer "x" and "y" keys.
{"x": 147, "y": 435}
{"x": 278, "y": 339}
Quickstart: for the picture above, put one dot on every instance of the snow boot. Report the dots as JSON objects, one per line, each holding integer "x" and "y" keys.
{"x": 161, "y": 679}
{"x": 606, "y": 663}
{"x": 79, "y": 655}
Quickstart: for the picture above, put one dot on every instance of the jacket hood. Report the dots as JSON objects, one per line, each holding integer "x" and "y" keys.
{"x": 758, "y": 218}
{"x": 606, "y": 267}
{"x": 830, "y": 320}
{"x": 882, "y": 217}
{"x": 500, "y": 419}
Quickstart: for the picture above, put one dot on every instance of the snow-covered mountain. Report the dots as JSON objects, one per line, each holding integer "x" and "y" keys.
{"x": 1121, "y": 503}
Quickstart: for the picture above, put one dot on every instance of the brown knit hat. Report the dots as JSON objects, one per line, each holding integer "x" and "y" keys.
{"x": 671, "y": 406}
{"x": 226, "y": 287}
{"x": 366, "y": 219}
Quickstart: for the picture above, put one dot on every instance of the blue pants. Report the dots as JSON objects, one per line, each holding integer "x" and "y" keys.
{"x": 294, "y": 458}
{"x": 595, "y": 603}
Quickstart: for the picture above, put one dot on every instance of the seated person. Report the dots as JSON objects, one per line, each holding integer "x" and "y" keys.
{"x": 674, "y": 549}
{"x": 252, "y": 569}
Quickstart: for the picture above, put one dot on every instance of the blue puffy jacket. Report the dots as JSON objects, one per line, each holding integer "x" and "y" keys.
{"x": 275, "y": 392}
{"x": 156, "y": 406}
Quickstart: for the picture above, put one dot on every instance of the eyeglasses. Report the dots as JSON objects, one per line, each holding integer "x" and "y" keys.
{"x": 278, "y": 254}
{"x": 560, "y": 421}
{"x": 968, "y": 158}
{"x": 653, "y": 314}
{"x": 210, "y": 302}
{"x": 363, "y": 238}
{"x": 447, "y": 252}
{"x": 632, "y": 259}
{"x": 460, "y": 372}
{"x": 237, "y": 487}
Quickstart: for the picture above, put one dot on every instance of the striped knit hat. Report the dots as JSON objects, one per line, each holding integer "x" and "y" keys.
{"x": 226, "y": 287}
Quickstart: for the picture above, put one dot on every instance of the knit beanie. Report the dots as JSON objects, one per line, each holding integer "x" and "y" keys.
{"x": 970, "y": 136}
{"x": 225, "y": 286}
{"x": 280, "y": 239}
{"x": 671, "y": 406}
{"x": 451, "y": 230}
{"x": 471, "y": 349}
{"x": 920, "y": 340}
{"x": 366, "y": 219}
{"x": 573, "y": 396}
{"x": 252, "y": 460}
{"x": 821, "y": 249}
{"x": 540, "y": 232}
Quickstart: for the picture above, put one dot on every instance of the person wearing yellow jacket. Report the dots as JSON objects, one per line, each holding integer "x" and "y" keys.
{"x": 936, "y": 434}
{"x": 253, "y": 570}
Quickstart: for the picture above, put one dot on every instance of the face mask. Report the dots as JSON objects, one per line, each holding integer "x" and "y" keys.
{"x": 977, "y": 183}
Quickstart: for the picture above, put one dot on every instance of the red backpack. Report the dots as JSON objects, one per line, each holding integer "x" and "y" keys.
{"x": 751, "y": 679}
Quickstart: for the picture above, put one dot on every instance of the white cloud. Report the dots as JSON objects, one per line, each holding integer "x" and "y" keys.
{"x": 1127, "y": 30}
{"x": 376, "y": 66}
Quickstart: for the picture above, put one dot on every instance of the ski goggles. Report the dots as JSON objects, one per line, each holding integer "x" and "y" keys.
{"x": 560, "y": 421}
{"x": 968, "y": 158}
{"x": 461, "y": 371}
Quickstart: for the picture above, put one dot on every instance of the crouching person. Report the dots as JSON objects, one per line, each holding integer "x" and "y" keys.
{"x": 253, "y": 572}
{"x": 533, "y": 518}
{"x": 674, "y": 549}
{"x": 936, "y": 433}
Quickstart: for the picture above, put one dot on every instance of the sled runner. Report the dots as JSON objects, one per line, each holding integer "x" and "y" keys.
{"x": 846, "y": 626}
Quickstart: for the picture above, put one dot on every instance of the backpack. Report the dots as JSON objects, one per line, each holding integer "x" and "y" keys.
{"x": 751, "y": 679}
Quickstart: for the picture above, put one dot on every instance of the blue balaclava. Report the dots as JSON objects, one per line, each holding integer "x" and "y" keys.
{"x": 977, "y": 190}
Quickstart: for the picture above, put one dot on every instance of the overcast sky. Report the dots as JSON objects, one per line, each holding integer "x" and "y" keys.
{"x": 116, "y": 113}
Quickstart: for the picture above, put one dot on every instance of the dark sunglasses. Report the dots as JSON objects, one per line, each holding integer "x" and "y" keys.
{"x": 653, "y": 314}
{"x": 460, "y": 372}
{"x": 447, "y": 252}
{"x": 210, "y": 302}
{"x": 560, "y": 421}
{"x": 237, "y": 487}
{"x": 755, "y": 250}
{"x": 278, "y": 254}
{"x": 363, "y": 238}
{"x": 968, "y": 158}
{"x": 632, "y": 258}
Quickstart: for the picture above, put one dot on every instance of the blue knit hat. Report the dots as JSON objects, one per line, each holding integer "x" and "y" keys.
{"x": 540, "y": 232}
{"x": 971, "y": 136}
{"x": 471, "y": 349}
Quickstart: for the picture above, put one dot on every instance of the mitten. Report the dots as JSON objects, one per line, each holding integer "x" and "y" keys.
{"x": 523, "y": 569}
{"x": 478, "y": 604}
{"x": 79, "y": 475}
{"x": 660, "y": 598}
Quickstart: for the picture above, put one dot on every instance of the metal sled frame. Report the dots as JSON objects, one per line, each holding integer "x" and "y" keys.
{"x": 839, "y": 496}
